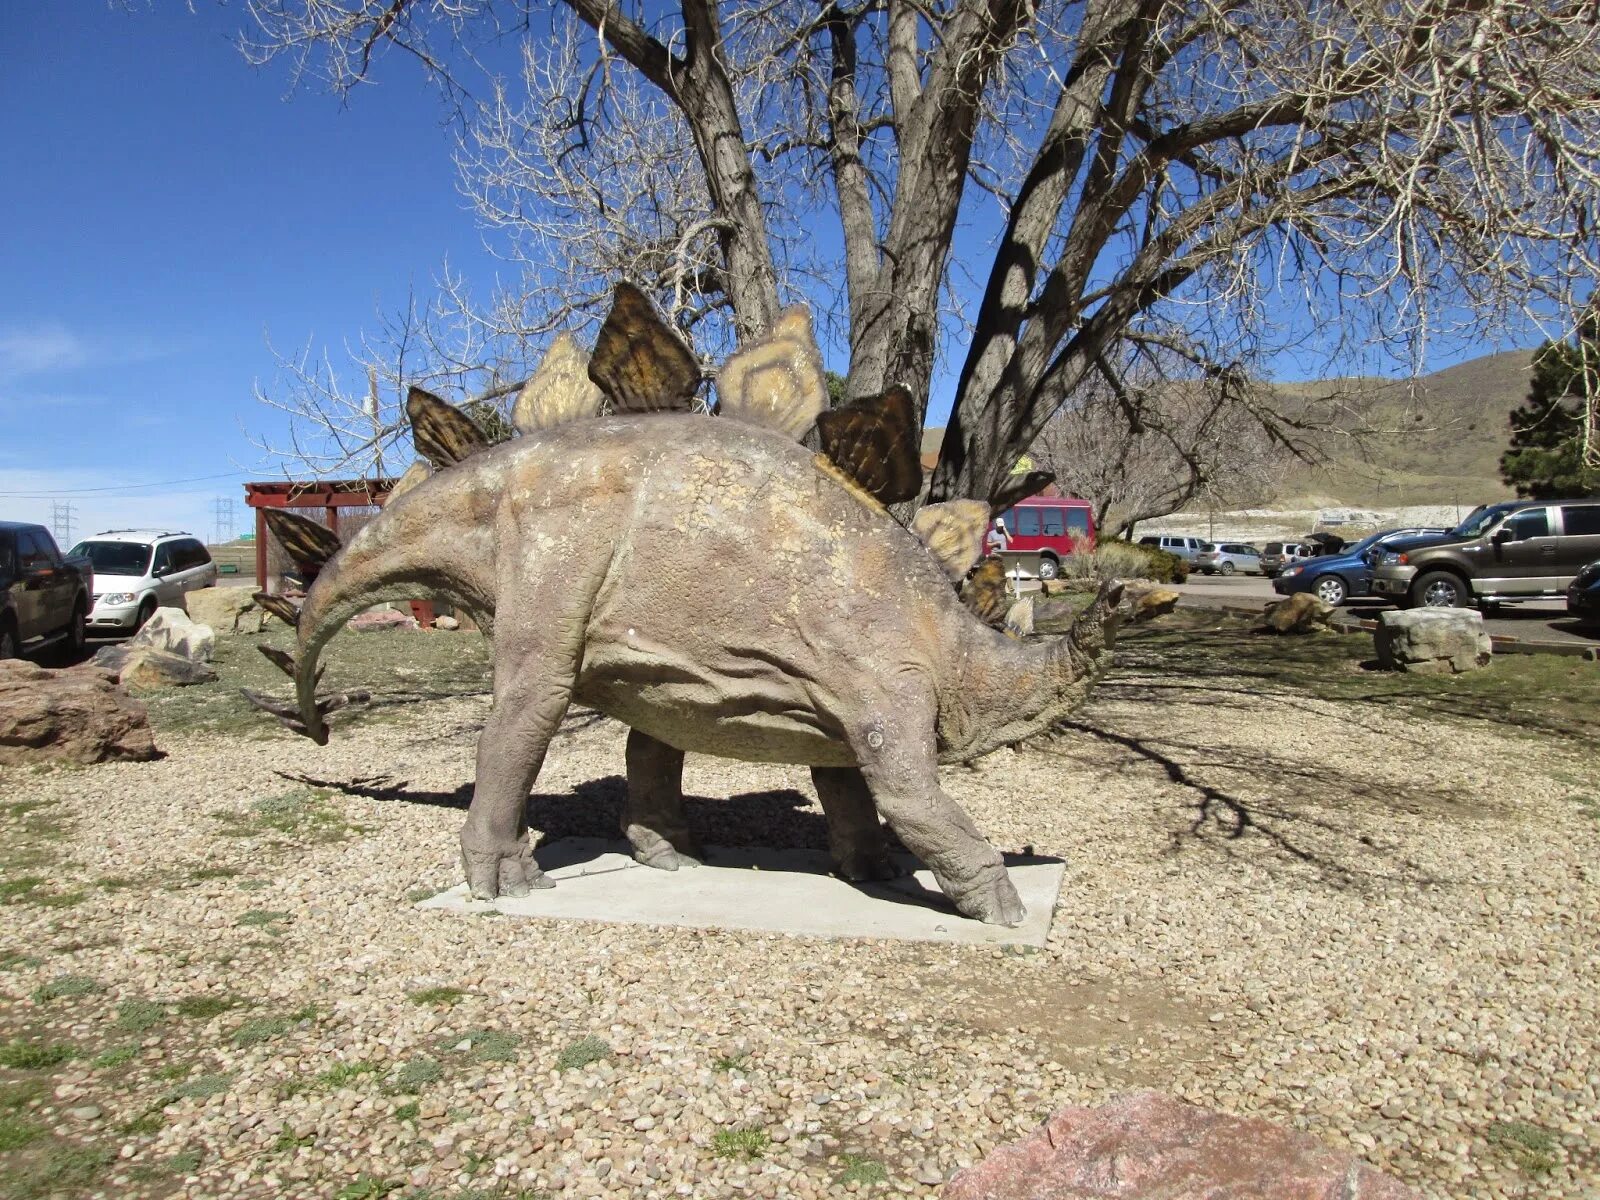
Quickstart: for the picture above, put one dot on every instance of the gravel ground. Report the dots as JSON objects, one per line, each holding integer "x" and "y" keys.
{"x": 1375, "y": 928}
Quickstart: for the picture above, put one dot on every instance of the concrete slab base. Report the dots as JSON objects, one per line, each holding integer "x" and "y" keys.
{"x": 769, "y": 891}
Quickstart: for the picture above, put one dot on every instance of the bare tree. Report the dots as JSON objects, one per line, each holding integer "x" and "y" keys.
{"x": 1207, "y": 175}
{"x": 1153, "y": 445}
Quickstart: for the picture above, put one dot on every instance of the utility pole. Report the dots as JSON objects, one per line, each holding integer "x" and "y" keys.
{"x": 61, "y": 522}
{"x": 222, "y": 520}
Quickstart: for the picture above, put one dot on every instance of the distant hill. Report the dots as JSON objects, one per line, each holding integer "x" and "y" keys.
{"x": 1433, "y": 440}
{"x": 1439, "y": 437}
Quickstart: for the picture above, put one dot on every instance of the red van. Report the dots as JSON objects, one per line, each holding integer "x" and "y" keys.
{"x": 1051, "y": 525}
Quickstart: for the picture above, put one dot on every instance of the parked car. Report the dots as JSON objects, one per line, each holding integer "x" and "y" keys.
{"x": 1226, "y": 558}
{"x": 1583, "y": 595}
{"x": 1518, "y": 550}
{"x": 1185, "y": 546}
{"x": 1336, "y": 578}
{"x": 44, "y": 595}
{"x": 1052, "y": 526}
{"x": 1277, "y": 555}
{"x": 137, "y": 571}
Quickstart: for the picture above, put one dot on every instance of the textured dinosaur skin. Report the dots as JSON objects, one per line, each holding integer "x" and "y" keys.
{"x": 709, "y": 584}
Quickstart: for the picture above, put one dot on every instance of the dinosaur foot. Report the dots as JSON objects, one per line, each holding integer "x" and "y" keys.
{"x": 503, "y": 871}
{"x": 863, "y": 865}
{"x": 651, "y": 849}
{"x": 990, "y": 897}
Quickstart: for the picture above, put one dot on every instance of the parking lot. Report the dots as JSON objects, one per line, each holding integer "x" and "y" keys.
{"x": 1539, "y": 620}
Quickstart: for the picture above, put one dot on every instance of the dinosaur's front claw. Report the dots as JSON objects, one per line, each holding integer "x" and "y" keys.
{"x": 495, "y": 871}
{"x": 992, "y": 899}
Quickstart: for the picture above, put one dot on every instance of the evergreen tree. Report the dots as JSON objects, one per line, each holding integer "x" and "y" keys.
{"x": 1545, "y": 461}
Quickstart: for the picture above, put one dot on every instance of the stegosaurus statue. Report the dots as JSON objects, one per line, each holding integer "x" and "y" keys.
{"x": 712, "y": 584}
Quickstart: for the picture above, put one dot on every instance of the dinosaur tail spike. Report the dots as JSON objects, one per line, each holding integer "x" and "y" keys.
{"x": 309, "y": 544}
{"x": 288, "y": 714}
{"x": 285, "y": 662}
{"x": 285, "y": 609}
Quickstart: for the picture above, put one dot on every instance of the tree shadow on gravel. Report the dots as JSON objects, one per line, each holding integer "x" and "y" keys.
{"x": 1345, "y": 855}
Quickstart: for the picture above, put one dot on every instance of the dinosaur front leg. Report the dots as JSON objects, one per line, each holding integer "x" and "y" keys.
{"x": 495, "y": 851}
{"x": 855, "y": 835}
{"x": 653, "y": 819}
{"x": 898, "y": 760}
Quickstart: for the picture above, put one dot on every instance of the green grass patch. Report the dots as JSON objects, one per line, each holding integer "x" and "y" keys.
{"x": 202, "y": 874}
{"x": 748, "y": 1144}
{"x": 582, "y": 1052}
{"x": 10, "y": 960}
{"x": 63, "y": 1168}
{"x": 1530, "y": 1147}
{"x": 264, "y": 919}
{"x": 417, "y": 895}
{"x": 20, "y": 886}
{"x": 344, "y": 1074}
{"x": 67, "y": 987}
{"x": 446, "y": 996}
{"x": 1545, "y": 694}
{"x": 203, "y": 1008}
{"x": 21, "y": 1055}
{"x": 202, "y": 1087}
{"x": 261, "y": 1029}
{"x": 116, "y": 883}
{"x": 416, "y": 1074}
{"x": 397, "y": 670}
{"x": 730, "y": 1062}
{"x": 304, "y": 815}
{"x": 407, "y": 1111}
{"x": 136, "y": 1016}
{"x": 858, "y": 1168}
{"x": 367, "y": 1187}
{"x": 115, "y": 1057}
{"x": 55, "y": 899}
{"x": 15, "y": 1133}
{"x": 483, "y": 1045}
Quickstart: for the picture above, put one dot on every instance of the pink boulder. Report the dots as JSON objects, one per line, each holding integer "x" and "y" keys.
{"x": 1147, "y": 1146}
{"x": 383, "y": 618}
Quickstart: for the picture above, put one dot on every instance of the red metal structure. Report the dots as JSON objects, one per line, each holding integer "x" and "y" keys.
{"x": 330, "y": 495}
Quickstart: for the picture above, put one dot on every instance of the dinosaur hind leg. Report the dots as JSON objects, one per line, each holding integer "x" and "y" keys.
{"x": 855, "y": 835}
{"x": 653, "y": 819}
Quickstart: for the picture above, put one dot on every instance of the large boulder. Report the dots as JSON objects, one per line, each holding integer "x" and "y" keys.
{"x": 143, "y": 666}
{"x": 172, "y": 631}
{"x": 1300, "y": 613}
{"x": 1148, "y": 1146}
{"x": 226, "y": 609}
{"x": 1147, "y": 601}
{"x": 68, "y": 716}
{"x": 379, "y": 619}
{"x": 1432, "y": 641}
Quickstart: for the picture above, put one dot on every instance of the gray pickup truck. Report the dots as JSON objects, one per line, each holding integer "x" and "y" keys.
{"x": 45, "y": 595}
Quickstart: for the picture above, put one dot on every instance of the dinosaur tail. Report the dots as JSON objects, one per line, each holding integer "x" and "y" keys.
{"x": 1084, "y": 652}
{"x": 403, "y": 554}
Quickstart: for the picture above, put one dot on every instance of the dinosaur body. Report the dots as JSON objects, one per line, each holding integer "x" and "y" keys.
{"x": 712, "y": 586}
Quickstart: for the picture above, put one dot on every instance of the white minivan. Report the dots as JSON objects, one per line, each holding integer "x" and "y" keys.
{"x": 137, "y": 571}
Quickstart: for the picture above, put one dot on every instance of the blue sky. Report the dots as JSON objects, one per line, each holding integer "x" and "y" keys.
{"x": 168, "y": 209}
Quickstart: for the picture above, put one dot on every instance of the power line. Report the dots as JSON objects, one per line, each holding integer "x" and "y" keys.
{"x": 119, "y": 487}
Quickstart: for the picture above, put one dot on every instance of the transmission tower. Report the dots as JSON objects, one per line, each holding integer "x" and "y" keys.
{"x": 222, "y": 525}
{"x": 61, "y": 522}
